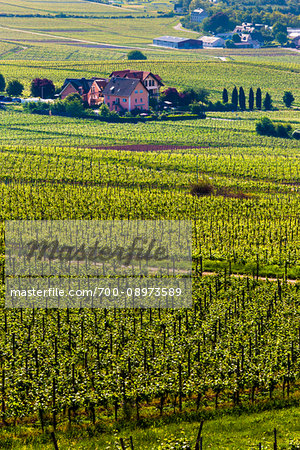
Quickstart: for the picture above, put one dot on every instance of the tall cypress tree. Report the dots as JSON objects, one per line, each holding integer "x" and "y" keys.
{"x": 268, "y": 102}
{"x": 258, "y": 98}
{"x": 225, "y": 96}
{"x": 235, "y": 97}
{"x": 242, "y": 99}
{"x": 2, "y": 83}
{"x": 251, "y": 99}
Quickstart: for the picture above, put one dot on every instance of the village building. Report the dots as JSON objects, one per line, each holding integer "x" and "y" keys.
{"x": 177, "y": 42}
{"x": 95, "y": 94}
{"x": 248, "y": 42}
{"x": 198, "y": 15}
{"x": 80, "y": 86}
{"x": 152, "y": 82}
{"x": 296, "y": 41}
{"x": 126, "y": 94}
{"x": 178, "y": 8}
{"x": 212, "y": 42}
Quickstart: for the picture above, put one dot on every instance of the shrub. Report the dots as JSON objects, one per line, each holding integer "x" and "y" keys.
{"x": 74, "y": 108}
{"x": 196, "y": 108}
{"x": 136, "y": 55}
{"x": 58, "y": 108}
{"x": 265, "y": 127}
{"x": 201, "y": 189}
{"x": 14, "y": 88}
{"x": 36, "y": 107}
{"x": 283, "y": 130}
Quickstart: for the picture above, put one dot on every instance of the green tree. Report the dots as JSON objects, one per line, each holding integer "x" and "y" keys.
{"x": 268, "y": 102}
{"x": 218, "y": 22}
{"x": 258, "y": 98}
{"x": 242, "y": 99}
{"x": 235, "y": 98}
{"x": 225, "y": 95}
{"x": 251, "y": 99}
{"x": 229, "y": 43}
{"x": 265, "y": 127}
{"x": 288, "y": 99}
{"x": 136, "y": 55}
{"x": 236, "y": 38}
{"x": 281, "y": 38}
{"x": 279, "y": 28}
{"x": 74, "y": 108}
{"x": 104, "y": 111}
{"x": 14, "y": 88}
{"x": 2, "y": 83}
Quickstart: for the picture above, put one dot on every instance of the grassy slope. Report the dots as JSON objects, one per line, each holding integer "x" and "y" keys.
{"x": 228, "y": 432}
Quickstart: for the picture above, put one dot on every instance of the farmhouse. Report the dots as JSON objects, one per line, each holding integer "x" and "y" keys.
{"x": 198, "y": 15}
{"x": 177, "y": 42}
{"x": 212, "y": 42}
{"x": 152, "y": 82}
{"x": 126, "y": 94}
{"x": 80, "y": 86}
{"x": 95, "y": 94}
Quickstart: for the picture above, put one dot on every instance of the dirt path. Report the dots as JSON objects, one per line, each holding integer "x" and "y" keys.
{"x": 179, "y": 27}
{"x": 241, "y": 275}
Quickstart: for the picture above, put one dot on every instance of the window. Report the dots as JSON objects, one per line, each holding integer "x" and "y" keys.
{"x": 136, "y": 92}
{"x": 124, "y": 100}
{"x": 146, "y": 83}
{"x": 141, "y": 91}
{"x": 108, "y": 104}
{"x": 108, "y": 97}
{"x": 136, "y": 100}
{"x": 141, "y": 100}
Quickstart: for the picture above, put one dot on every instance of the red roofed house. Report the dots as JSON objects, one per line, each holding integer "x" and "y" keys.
{"x": 95, "y": 94}
{"x": 76, "y": 86}
{"x": 152, "y": 82}
{"x": 126, "y": 94}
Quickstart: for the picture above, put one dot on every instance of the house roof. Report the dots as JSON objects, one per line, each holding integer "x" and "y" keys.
{"x": 101, "y": 82}
{"x": 140, "y": 74}
{"x": 171, "y": 39}
{"x": 122, "y": 87}
{"x": 78, "y": 83}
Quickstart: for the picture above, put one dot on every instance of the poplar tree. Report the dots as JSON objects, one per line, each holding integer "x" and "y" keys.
{"x": 225, "y": 96}
{"x": 251, "y": 99}
{"x": 235, "y": 97}
{"x": 242, "y": 99}
{"x": 258, "y": 98}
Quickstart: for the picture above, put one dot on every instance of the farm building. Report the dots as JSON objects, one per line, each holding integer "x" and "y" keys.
{"x": 126, "y": 94}
{"x": 177, "y": 42}
{"x": 198, "y": 15}
{"x": 212, "y": 42}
